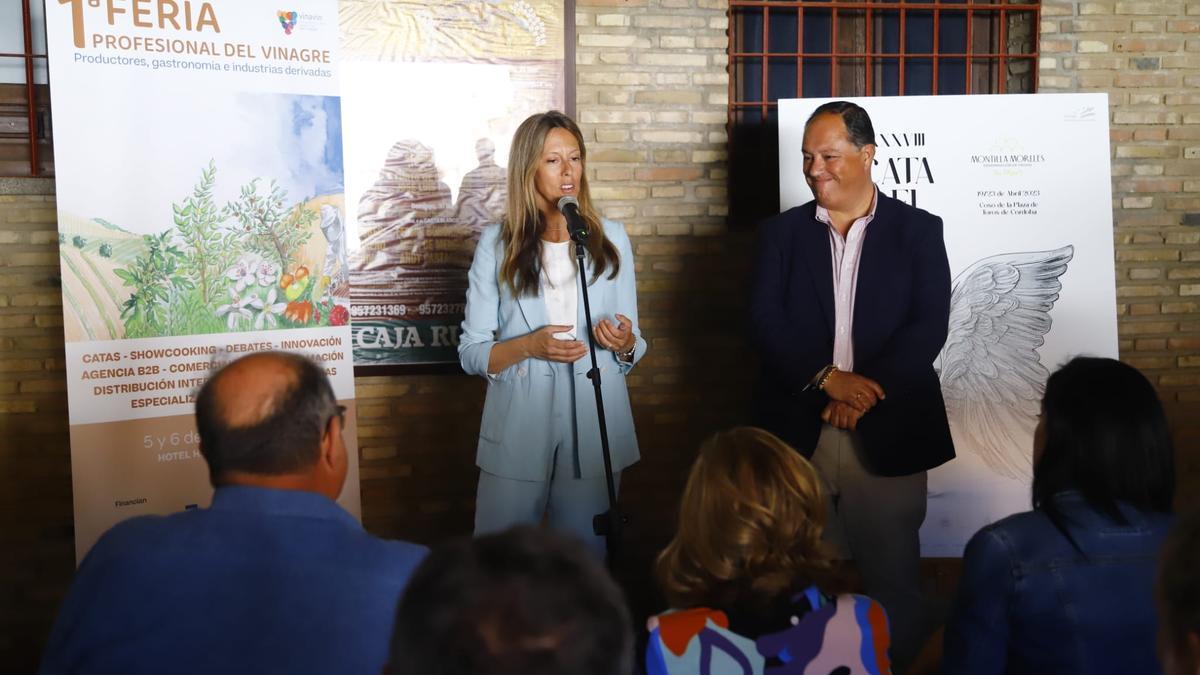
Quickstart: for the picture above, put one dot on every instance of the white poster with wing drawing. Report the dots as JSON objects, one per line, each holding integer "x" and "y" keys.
{"x": 1024, "y": 187}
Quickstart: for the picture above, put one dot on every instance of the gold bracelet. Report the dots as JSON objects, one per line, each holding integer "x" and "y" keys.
{"x": 829, "y": 371}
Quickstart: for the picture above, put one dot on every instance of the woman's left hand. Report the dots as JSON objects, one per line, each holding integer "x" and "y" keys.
{"x": 618, "y": 338}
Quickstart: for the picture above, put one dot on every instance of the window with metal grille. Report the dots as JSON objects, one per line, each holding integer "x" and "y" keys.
{"x": 843, "y": 48}
{"x": 25, "y": 147}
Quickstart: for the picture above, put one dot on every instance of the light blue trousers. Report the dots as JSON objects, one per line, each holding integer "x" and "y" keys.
{"x": 566, "y": 504}
{"x": 565, "y": 500}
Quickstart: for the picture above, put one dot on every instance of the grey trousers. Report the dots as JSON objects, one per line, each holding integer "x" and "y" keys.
{"x": 875, "y": 520}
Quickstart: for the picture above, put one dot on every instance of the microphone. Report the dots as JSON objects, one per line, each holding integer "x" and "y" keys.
{"x": 569, "y": 206}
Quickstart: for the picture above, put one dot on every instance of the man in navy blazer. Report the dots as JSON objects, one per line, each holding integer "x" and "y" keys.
{"x": 850, "y": 306}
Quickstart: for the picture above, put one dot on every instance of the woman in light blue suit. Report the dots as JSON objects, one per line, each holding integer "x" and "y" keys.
{"x": 539, "y": 441}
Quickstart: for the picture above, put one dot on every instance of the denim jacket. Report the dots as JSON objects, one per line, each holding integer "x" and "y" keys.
{"x": 1031, "y": 603}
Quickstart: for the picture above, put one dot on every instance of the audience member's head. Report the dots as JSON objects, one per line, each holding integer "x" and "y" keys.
{"x": 527, "y": 601}
{"x": 271, "y": 420}
{"x": 1179, "y": 598}
{"x": 750, "y": 524}
{"x": 1103, "y": 432}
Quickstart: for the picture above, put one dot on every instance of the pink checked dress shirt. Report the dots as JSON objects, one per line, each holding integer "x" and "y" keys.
{"x": 846, "y": 253}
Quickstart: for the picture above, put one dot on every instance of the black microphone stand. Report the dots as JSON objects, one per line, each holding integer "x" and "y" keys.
{"x": 607, "y": 524}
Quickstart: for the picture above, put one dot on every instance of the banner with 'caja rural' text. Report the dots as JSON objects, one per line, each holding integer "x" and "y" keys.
{"x": 200, "y": 208}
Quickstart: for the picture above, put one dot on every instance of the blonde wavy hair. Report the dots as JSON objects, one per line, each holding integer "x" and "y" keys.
{"x": 750, "y": 525}
{"x": 522, "y": 226}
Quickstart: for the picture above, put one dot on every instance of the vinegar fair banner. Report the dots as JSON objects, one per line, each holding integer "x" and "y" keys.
{"x": 1023, "y": 185}
{"x": 200, "y": 209}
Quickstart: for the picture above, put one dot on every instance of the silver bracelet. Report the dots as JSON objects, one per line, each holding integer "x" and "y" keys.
{"x": 627, "y": 356}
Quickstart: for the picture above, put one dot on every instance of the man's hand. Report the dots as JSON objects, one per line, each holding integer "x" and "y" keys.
{"x": 857, "y": 391}
{"x": 841, "y": 415}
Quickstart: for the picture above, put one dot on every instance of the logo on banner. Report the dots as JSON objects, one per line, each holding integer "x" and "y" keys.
{"x": 902, "y": 165}
{"x": 287, "y": 20}
{"x": 1007, "y": 157}
{"x": 1084, "y": 114}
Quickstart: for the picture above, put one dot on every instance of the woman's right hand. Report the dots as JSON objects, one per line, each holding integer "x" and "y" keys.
{"x": 541, "y": 344}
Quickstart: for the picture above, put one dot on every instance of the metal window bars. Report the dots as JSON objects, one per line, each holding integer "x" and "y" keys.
{"x": 876, "y": 47}
{"x": 24, "y": 113}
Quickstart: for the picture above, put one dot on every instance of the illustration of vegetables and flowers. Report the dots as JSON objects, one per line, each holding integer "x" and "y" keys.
{"x": 246, "y": 265}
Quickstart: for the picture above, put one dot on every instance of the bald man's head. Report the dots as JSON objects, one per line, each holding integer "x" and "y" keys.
{"x": 264, "y": 414}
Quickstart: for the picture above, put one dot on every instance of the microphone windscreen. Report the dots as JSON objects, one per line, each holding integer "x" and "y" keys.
{"x": 567, "y": 200}
{"x": 569, "y": 207}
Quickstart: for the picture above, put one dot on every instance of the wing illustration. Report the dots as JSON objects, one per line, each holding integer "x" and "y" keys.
{"x": 992, "y": 376}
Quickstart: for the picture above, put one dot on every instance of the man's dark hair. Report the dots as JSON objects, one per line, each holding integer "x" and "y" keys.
{"x": 857, "y": 121}
{"x": 1106, "y": 435}
{"x": 524, "y": 602}
{"x": 1179, "y": 584}
{"x": 286, "y": 439}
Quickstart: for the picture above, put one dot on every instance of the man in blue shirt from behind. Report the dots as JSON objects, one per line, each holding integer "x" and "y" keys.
{"x": 274, "y": 577}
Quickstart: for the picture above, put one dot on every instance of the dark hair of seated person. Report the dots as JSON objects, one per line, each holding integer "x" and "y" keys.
{"x": 1102, "y": 432}
{"x": 284, "y": 434}
{"x": 527, "y": 601}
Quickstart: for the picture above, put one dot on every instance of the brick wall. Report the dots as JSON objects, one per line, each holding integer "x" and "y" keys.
{"x": 37, "y": 548}
{"x": 651, "y": 99}
{"x": 1146, "y": 56}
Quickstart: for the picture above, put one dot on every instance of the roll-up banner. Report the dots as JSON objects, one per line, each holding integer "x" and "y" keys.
{"x": 200, "y": 201}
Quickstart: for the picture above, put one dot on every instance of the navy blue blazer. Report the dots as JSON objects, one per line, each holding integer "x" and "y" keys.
{"x": 901, "y": 314}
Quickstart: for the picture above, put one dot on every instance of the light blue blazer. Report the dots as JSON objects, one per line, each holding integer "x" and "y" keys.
{"x": 516, "y": 435}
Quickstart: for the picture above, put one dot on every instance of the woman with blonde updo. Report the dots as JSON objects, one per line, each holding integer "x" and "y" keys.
{"x": 749, "y": 566}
